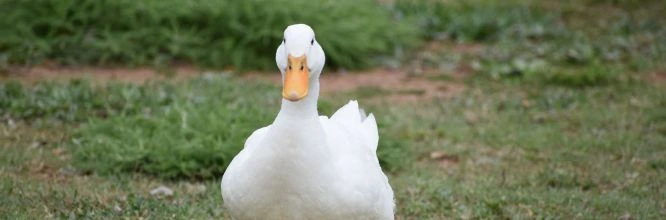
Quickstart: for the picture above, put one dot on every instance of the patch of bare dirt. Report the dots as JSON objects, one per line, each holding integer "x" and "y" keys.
{"x": 402, "y": 85}
{"x": 101, "y": 74}
{"x": 417, "y": 81}
{"x": 398, "y": 85}
{"x": 658, "y": 77}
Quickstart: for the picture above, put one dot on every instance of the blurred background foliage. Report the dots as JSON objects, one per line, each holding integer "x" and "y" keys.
{"x": 210, "y": 33}
{"x": 244, "y": 34}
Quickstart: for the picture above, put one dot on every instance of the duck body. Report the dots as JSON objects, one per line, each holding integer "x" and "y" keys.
{"x": 306, "y": 166}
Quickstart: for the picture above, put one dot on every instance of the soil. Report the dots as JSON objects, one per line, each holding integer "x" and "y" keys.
{"x": 101, "y": 74}
{"x": 400, "y": 85}
{"x": 658, "y": 76}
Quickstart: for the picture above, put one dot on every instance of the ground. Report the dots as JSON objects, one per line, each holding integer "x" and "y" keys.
{"x": 513, "y": 128}
{"x": 480, "y": 148}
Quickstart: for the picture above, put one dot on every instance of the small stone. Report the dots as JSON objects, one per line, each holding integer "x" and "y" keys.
{"x": 635, "y": 102}
{"x": 626, "y": 216}
{"x": 35, "y": 144}
{"x": 487, "y": 160}
{"x": 471, "y": 117}
{"x": 443, "y": 156}
{"x": 161, "y": 191}
{"x": 196, "y": 188}
{"x": 117, "y": 208}
{"x": 11, "y": 124}
{"x": 67, "y": 170}
{"x": 436, "y": 155}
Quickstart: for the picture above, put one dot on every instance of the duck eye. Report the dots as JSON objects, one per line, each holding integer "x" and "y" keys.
{"x": 284, "y": 41}
{"x": 312, "y": 42}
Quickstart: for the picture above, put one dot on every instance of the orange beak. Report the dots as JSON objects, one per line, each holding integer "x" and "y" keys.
{"x": 296, "y": 78}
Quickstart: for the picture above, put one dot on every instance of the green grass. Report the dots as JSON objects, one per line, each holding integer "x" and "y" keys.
{"x": 77, "y": 100}
{"x": 535, "y": 37}
{"x": 533, "y": 151}
{"x": 209, "y": 33}
{"x": 187, "y": 130}
{"x": 195, "y": 136}
{"x": 559, "y": 123}
{"x": 243, "y": 35}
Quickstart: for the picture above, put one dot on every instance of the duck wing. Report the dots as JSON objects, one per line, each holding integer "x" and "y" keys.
{"x": 352, "y": 140}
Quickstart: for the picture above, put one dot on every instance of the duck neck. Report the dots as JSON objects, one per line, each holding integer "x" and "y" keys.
{"x": 305, "y": 108}
{"x": 301, "y": 148}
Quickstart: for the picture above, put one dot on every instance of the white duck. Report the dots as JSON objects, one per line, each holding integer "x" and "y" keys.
{"x": 306, "y": 166}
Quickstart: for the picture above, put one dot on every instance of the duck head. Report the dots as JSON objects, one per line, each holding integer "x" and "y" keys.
{"x": 300, "y": 60}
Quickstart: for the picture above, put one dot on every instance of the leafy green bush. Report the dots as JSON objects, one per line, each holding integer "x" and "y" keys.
{"x": 212, "y": 33}
{"x": 485, "y": 21}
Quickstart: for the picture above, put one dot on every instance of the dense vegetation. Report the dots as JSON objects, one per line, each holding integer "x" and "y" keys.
{"x": 243, "y": 34}
{"x": 211, "y": 33}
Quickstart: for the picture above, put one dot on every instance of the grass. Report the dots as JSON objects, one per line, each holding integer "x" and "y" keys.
{"x": 132, "y": 129}
{"x": 566, "y": 124}
{"x": 212, "y": 125}
{"x": 531, "y": 151}
{"x": 209, "y": 33}
{"x": 164, "y": 33}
